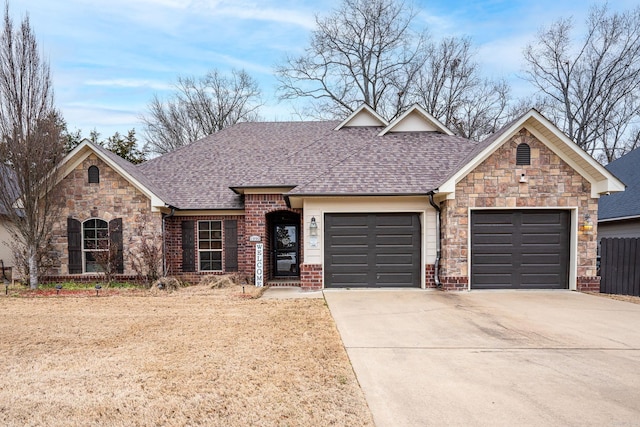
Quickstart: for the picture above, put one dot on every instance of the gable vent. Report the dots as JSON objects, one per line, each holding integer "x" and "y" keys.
{"x": 523, "y": 154}
{"x": 94, "y": 174}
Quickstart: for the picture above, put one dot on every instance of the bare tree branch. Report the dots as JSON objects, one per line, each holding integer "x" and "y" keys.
{"x": 200, "y": 107}
{"x": 592, "y": 87}
{"x": 365, "y": 51}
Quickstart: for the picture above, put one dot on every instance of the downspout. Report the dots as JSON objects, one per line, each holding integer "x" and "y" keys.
{"x": 164, "y": 241}
{"x": 436, "y": 267}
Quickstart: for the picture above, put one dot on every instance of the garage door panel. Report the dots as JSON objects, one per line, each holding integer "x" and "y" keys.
{"x": 349, "y": 260}
{"x": 530, "y": 247}
{"x": 486, "y": 280}
{"x": 539, "y": 259}
{"x": 387, "y": 252}
{"x": 492, "y": 260}
{"x": 394, "y": 241}
{"x": 394, "y": 279}
{"x": 348, "y": 279}
{"x": 493, "y": 239}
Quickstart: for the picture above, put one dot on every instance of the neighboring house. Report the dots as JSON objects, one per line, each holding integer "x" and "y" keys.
{"x": 619, "y": 213}
{"x": 6, "y": 253}
{"x": 348, "y": 204}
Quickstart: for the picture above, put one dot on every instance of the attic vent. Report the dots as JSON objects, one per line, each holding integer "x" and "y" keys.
{"x": 94, "y": 175}
{"x": 523, "y": 154}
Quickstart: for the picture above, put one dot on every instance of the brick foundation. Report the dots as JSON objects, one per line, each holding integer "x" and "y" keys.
{"x": 429, "y": 276}
{"x": 588, "y": 284}
{"x": 311, "y": 277}
{"x": 455, "y": 283}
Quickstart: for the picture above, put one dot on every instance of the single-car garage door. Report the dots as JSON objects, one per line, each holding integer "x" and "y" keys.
{"x": 520, "y": 249}
{"x": 372, "y": 250}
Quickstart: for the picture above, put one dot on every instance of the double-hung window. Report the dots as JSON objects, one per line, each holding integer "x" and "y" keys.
{"x": 95, "y": 239}
{"x": 210, "y": 245}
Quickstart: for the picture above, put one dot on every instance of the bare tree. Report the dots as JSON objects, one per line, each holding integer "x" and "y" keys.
{"x": 591, "y": 87}
{"x": 450, "y": 87}
{"x": 365, "y": 51}
{"x": 31, "y": 145}
{"x": 200, "y": 107}
{"x": 145, "y": 250}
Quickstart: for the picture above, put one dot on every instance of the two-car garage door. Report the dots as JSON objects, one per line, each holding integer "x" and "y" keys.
{"x": 372, "y": 250}
{"x": 520, "y": 249}
{"x": 510, "y": 249}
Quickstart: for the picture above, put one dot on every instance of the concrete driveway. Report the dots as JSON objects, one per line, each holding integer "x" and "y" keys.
{"x": 492, "y": 358}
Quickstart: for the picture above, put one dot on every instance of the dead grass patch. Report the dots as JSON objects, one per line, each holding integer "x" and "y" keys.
{"x": 626, "y": 298}
{"x": 196, "y": 356}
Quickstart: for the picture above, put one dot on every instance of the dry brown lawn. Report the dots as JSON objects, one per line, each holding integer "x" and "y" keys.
{"x": 192, "y": 357}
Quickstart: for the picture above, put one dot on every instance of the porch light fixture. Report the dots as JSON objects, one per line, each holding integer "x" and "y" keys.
{"x": 313, "y": 227}
{"x": 587, "y": 224}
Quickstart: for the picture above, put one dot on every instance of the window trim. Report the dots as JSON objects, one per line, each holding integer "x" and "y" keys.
{"x": 210, "y": 240}
{"x": 83, "y": 245}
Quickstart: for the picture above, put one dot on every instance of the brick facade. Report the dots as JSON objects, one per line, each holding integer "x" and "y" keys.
{"x": 257, "y": 209}
{"x": 311, "y": 277}
{"x": 173, "y": 246}
{"x": 429, "y": 276}
{"x": 550, "y": 182}
{"x": 113, "y": 197}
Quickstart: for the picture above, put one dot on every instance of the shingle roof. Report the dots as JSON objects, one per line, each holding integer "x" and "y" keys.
{"x": 626, "y": 203}
{"x": 132, "y": 170}
{"x": 311, "y": 156}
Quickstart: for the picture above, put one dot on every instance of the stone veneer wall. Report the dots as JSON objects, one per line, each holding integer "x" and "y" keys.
{"x": 495, "y": 183}
{"x": 173, "y": 246}
{"x": 113, "y": 197}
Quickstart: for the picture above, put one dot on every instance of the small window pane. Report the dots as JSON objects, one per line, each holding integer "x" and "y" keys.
{"x": 216, "y": 245}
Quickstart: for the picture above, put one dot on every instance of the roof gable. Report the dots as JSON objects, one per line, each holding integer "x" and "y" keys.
{"x": 416, "y": 119}
{"x": 362, "y": 117}
{"x": 124, "y": 168}
{"x": 602, "y": 181}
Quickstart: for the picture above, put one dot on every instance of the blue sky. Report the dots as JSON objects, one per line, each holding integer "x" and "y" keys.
{"x": 108, "y": 58}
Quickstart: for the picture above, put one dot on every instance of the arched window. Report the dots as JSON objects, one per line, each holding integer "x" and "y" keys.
{"x": 95, "y": 239}
{"x": 94, "y": 175}
{"x": 523, "y": 154}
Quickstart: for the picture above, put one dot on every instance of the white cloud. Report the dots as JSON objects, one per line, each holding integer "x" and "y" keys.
{"x": 129, "y": 83}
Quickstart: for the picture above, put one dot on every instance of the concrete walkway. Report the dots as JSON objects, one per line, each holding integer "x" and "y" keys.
{"x": 428, "y": 358}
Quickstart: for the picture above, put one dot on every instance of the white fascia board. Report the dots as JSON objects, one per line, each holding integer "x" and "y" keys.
{"x": 426, "y": 117}
{"x": 362, "y": 110}
{"x": 606, "y": 183}
{"x": 599, "y": 185}
{"x": 84, "y": 150}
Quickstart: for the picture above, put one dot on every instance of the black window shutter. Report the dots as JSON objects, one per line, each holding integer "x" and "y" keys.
{"x": 74, "y": 237}
{"x": 523, "y": 154}
{"x": 188, "y": 246}
{"x": 115, "y": 237}
{"x": 231, "y": 245}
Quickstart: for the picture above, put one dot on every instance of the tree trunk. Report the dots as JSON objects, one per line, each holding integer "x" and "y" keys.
{"x": 33, "y": 269}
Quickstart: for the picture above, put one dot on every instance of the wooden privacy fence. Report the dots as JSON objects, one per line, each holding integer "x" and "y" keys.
{"x": 620, "y": 266}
